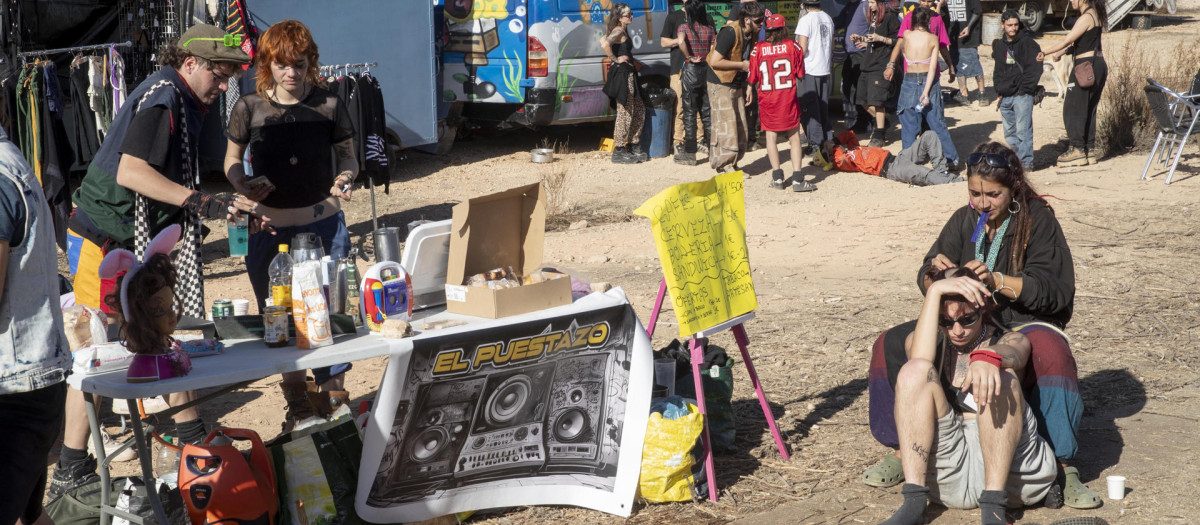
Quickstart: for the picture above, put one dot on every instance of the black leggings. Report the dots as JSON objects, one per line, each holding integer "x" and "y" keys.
{"x": 1079, "y": 108}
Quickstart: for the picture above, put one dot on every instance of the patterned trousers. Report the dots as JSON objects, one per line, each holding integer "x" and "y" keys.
{"x": 630, "y": 117}
{"x": 729, "y": 127}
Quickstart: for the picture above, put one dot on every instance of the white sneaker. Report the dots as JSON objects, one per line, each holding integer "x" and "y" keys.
{"x": 110, "y": 446}
{"x": 152, "y": 405}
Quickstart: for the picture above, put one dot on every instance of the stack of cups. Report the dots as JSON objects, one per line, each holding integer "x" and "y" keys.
{"x": 241, "y": 307}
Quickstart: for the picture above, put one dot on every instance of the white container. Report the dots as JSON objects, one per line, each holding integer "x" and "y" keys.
{"x": 1116, "y": 487}
{"x": 241, "y": 306}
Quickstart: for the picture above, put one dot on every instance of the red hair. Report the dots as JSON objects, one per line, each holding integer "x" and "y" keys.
{"x": 285, "y": 43}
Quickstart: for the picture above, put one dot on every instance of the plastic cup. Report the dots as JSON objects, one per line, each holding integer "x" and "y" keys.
{"x": 1116, "y": 487}
{"x": 239, "y": 237}
{"x": 241, "y": 306}
{"x": 664, "y": 374}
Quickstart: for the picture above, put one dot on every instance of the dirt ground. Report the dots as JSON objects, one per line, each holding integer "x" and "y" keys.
{"x": 833, "y": 269}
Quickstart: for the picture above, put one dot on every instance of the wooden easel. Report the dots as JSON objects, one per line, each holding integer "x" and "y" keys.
{"x": 697, "y": 356}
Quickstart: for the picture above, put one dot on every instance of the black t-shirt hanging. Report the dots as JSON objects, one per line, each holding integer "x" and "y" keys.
{"x": 374, "y": 160}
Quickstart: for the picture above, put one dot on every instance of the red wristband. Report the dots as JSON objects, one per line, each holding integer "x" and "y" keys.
{"x": 987, "y": 356}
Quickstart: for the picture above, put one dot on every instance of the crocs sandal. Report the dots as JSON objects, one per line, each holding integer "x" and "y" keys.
{"x": 887, "y": 473}
{"x": 1075, "y": 494}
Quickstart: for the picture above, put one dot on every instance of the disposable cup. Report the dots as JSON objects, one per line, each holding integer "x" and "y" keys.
{"x": 1116, "y": 487}
{"x": 664, "y": 374}
{"x": 241, "y": 306}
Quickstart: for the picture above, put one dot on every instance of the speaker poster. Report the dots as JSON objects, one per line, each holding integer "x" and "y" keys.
{"x": 529, "y": 412}
{"x": 700, "y": 232}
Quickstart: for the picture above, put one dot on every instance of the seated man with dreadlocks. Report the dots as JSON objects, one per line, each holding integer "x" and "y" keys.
{"x": 967, "y": 437}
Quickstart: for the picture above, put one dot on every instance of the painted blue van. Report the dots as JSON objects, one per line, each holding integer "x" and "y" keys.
{"x": 538, "y": 62}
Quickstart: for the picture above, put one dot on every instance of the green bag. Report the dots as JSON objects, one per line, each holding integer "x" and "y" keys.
{"x": 718, "y": 403}
{"x": 318, "y": 466}
{"x": 81, "y": 504}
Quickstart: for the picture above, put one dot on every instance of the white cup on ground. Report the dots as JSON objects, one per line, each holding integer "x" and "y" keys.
{"x": 241, "y": 306}
{"x": 1116, "y": 487}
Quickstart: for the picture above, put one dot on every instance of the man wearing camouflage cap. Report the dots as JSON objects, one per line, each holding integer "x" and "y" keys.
{"x": 144, "y": 178}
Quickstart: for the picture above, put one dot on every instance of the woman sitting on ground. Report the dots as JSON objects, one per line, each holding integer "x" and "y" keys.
{"x": 1008, "y": 236}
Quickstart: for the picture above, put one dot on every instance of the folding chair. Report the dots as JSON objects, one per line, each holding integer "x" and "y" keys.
{"x": 1175, "y": 118}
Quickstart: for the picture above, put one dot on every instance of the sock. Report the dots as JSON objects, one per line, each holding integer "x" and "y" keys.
{"x": 191, "y": 432}
{"x": 991, "y": 507}
{"x": 913, "y": 510}
{"x": 70, "y": 456}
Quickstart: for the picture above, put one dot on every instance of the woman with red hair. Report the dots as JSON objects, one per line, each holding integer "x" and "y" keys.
{"x": 294, "y": 131}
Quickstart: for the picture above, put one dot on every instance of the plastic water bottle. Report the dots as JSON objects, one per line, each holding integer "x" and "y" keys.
{"x": 281, "y": 278}
{"x": 166, "y": 461}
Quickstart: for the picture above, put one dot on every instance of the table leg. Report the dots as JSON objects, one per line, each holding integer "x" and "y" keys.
{"x": 143, "y": 447}
{"x": 739, "y": 334}
{"x": 709, "y": 467}
{"x": 101, "y": 459}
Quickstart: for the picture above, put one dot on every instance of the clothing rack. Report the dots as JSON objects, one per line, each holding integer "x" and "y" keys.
{"x": 345, "y": 68}
{"x": 46, "y": 52}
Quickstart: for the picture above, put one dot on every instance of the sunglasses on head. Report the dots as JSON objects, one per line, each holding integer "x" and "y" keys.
{"x": 994, "y": 160}
{"x": 229, "y": 40}
{"x": 965, "y": 320}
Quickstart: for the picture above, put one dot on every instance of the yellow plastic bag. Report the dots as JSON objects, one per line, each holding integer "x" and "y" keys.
{"x": 666, "y": 456}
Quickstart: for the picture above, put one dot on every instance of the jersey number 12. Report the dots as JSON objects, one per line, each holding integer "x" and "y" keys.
{"x": 782, "y": 79}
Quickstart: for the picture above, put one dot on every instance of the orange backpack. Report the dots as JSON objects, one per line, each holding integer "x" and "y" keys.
{"x": 219, "y": 484}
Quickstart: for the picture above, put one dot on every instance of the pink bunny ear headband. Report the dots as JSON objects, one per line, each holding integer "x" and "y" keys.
{"x": 120, "y": 260}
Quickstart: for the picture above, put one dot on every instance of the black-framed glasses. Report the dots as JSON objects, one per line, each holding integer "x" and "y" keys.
{"x": 965, "y": 320}
{"x": 230, "y": 40}
{"x": 994, "y": 160}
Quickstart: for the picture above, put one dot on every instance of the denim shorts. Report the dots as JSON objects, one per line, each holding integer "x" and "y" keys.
{"x": 968, "y": 63}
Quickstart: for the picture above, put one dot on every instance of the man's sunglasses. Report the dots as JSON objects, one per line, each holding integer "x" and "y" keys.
{"x": 229, "y": 40}
{"x": 994, "y": 160}
{"x": 760, "y": 20}
{"x": 966, "y": 321}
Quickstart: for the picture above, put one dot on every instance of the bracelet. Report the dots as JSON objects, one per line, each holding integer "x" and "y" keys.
{"x": 987, "y": 356}
{"x": 891, "y": 65}
{"x": 1001, "y": 287}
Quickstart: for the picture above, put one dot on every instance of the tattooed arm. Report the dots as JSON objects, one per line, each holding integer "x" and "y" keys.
{"x": 611, "y": 39}
{"x": 347, "y": 166}
{"x": 984, "y": 378}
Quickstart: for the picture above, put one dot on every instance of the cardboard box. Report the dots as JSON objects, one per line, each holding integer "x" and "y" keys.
{"x": 502, "y": 229}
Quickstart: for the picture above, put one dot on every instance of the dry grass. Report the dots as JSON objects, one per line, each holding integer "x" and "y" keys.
{"x": 1124, "y": 121}
{"x": 554, "y": 183}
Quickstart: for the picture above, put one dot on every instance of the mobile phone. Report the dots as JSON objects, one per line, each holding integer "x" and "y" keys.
{"x": 256, "y": 183}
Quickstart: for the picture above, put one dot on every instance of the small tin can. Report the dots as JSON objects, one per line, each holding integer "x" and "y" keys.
{"x": 275, "y": 326}
{"x": 222, "y": 308}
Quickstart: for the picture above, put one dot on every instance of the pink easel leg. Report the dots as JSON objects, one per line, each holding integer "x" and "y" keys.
{"x": 709, "y": 467}
{"x": 662, "y": 292}
{"x": 739, "y": 334}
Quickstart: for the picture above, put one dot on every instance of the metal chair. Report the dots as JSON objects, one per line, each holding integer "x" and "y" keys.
{"x": 1175, "y": 117}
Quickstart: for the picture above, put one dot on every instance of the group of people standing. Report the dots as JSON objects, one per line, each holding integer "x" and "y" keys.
{"x": 734, "y": 81}
{"x": 292, "y": 135}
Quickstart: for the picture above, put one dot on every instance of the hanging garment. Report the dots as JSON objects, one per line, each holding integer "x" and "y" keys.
{"x": 116, "y": 77}
{"x": 86, "y": 137}
{"x": 55, "y": 154}
{"x": 29, "y": 93}
{"x": 97, "y": 94}
{"x": 374, "y": 159}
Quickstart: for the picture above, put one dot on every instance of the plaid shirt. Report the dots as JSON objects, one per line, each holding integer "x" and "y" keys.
{"x": 699, "y": 38}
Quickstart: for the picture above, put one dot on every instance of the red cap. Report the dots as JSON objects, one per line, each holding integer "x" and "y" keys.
{"x": 776, "y": 22}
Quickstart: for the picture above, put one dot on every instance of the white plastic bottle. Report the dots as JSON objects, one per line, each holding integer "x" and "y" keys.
{"x": 281, "y": 278}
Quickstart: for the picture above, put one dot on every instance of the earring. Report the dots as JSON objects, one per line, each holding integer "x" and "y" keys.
{"x": 1012, "y": 211}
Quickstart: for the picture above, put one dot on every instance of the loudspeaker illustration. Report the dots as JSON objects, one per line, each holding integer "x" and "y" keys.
{"x": 576, "y": 411}
{"x": 438, "y": 429}
{"x": 509, "y": 428}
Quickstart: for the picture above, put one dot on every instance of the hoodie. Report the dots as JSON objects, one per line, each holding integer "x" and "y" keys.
{"x": 1017, "y": 69}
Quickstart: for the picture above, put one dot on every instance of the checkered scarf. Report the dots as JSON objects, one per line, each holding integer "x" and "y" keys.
{"x": 189, "y": 292}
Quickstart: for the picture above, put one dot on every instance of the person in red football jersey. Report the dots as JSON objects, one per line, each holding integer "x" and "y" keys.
{"x": 775, "y": 64}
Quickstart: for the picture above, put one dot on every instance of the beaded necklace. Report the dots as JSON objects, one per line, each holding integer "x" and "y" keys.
{"x": 995, "y": 249}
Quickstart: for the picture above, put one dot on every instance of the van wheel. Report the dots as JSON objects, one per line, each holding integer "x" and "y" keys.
{"x": 1033, "y": 15}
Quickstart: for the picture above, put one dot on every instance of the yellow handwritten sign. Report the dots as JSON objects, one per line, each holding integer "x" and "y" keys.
{"x": 700, "y": 231}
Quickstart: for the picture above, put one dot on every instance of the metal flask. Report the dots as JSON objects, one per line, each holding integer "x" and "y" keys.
{"x": 387, "y": 244}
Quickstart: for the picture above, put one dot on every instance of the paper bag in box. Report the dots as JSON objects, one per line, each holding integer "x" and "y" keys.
{"x": 493, "y": 231}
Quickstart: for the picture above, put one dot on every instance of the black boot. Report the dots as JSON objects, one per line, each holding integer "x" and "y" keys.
{"x": 621, "y": 155}
{"x": 638, "y": 154}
